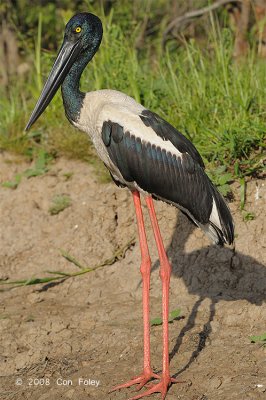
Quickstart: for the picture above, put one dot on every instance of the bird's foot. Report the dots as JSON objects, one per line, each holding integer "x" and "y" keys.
{"x": 139, "y": 380}
{"x": 161, "y": 387}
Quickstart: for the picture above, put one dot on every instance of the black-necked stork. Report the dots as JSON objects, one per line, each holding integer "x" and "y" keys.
{"x": 144, "y": 153}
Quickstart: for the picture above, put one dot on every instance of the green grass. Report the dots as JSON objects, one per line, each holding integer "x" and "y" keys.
{"x": 62, "y": 276}
{"x": 42, "y": 158}
{"x": 218, "y": 104}
{"x": 173, "y": 315}
{"x": 261, "y": 339}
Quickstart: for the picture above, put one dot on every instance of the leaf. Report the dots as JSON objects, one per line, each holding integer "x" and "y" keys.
{"x": 71, "y": 259}
{"x": 172, "y": 316}
{"x": 120, "y": 253}
{"x": 156, "y": 321}
{"x": 259, "y": 338}
{"x": 58, "y": 273}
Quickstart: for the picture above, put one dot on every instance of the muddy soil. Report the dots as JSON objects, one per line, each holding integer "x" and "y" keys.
{"x": 76, "y": 338}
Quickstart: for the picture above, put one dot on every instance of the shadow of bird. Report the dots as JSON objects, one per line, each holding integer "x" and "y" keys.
{"x": 212, "y": 273}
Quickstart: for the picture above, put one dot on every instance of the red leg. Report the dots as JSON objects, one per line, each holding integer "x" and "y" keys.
{"x": 145, "y": 270}
{"x": 165, "y": 272}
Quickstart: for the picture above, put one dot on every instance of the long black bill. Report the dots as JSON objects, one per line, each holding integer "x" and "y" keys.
{"x": 64, "y": 60}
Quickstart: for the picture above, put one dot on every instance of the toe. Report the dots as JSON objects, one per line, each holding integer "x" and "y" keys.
{"x": 144, "y": 394}
{"x": 132, "y": 382}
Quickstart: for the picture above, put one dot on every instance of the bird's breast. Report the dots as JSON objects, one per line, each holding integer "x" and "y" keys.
{"x": 99, "y": 106}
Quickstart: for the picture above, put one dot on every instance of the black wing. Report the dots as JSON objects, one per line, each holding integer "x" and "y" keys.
{"x": 177, "y": 180}
{"x": 198, "y": 191}
{"x": 167, "y": 132}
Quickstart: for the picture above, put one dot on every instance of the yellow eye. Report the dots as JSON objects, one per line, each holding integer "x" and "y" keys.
{"x": 78, "y": 29}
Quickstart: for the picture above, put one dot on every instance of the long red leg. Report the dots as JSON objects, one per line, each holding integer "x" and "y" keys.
{"x": 145, "y": 269}
{"x": 165, "y": 272}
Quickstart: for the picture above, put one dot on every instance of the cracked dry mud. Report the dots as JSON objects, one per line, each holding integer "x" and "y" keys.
{"x": 90, "y": 327}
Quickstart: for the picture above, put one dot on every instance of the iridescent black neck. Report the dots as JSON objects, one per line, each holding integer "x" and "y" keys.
{"x": 72, "y": 96}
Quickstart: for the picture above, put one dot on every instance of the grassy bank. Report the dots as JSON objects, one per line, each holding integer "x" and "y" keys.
{"x": 216, "y": 103}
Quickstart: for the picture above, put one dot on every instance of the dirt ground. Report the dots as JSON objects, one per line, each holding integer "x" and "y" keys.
{"x": 89, "y": 327}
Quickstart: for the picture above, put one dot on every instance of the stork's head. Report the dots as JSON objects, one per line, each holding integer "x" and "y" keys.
{"x": 83, "y": 35}
{"x": 84, "y": 30}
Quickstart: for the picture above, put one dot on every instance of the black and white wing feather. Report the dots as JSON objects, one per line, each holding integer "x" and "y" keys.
{"x": 154, "y": 157}
{"x": 167, "y": 132}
